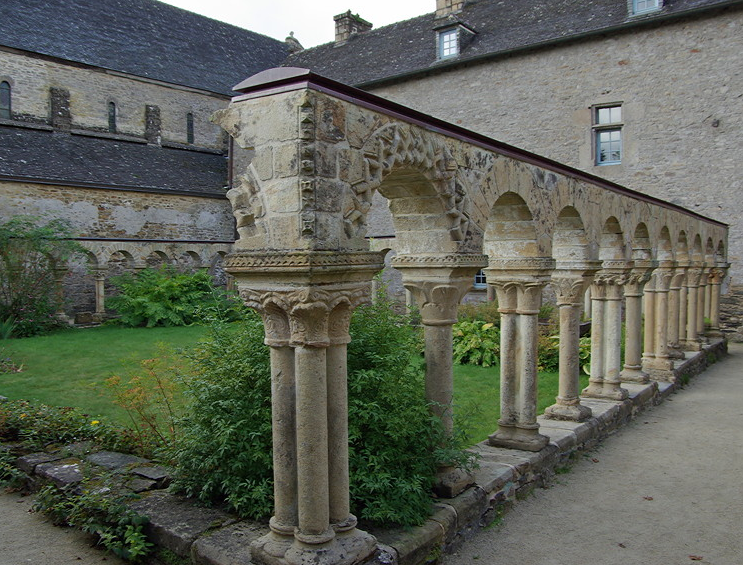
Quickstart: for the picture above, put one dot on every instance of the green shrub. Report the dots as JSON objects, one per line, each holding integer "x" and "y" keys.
{"x": 97, "y": 511}
{"x": 164, "y": 297}
{"x": 476, "y": 343}
{"x": 11, "y": 477}
{"x": 395, "y": 445}
{"x": 30, "y": 250}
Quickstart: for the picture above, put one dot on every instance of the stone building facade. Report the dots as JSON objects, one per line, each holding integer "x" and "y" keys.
{"x": 534, "y": 74}
{"x": 105, "y": 121}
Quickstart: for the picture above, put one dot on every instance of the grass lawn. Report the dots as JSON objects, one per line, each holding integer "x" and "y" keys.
{"x": 477, "y": 398}
{"x": 68, "y": 367}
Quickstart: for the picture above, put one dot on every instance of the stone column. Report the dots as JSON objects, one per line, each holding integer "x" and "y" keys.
{"x": 660, "y": 365}
{"x": 306, "y": 300}
{"x": 648, "y": 298}
{"x": 683, "y": 304}
{"x": 692, "y": 342}
{"x": 717, "y": 275}
{"x": 674, "y": 313}
{"x": 569, "y": 290}
{"x": 606, "y": 332}
{"x": 701, "y": 296}
{"x": 100, "y": 294}
{"x": 519, "y": 284}
{"x": 59, "y": 275}
{"x": 633, "y": 345}
{"x": 438, "y": 283}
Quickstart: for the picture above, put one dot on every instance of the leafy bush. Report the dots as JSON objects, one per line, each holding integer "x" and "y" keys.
{"x": 395, "y": 443}
{"x": 29, "y": 253}
{"x": 225, "y": 452}
{"x": 476, "y": 343}
{"x": 164, "y": 297}
{"x": 97, "y": 511}
{"x": 10, "y": 476}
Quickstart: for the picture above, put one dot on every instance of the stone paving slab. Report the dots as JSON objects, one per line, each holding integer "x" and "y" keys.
{"x": 175, "y": 523}
{"x": 227, "y": 546}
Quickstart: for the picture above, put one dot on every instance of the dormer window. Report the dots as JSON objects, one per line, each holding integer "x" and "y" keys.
{"x": 644, "y": 6}
{"x": 448, "y": 43}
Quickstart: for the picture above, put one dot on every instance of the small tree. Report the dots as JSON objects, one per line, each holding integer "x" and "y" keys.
{"x": 30, "y": 252}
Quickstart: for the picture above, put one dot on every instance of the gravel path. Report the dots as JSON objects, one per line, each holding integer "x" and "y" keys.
{"x": 27, "y": 537}
{"x": 666, "y": 490}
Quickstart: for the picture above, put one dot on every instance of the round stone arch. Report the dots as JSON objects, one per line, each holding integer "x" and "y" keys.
{"x": 664, "y": 245}
{"x": 642, "y": 248}
{"x": 189, "y": 260}
{"x": 569, "y": 238}
{"x": 426, "y": 192}
{"x": 156, "y": 258}
{"x": 510, "y": 232}
{"x": 682, "y": 247}
{"x": 508, "y": 177}
{"x": 697, "y": 251}
{"x": 612, "y": 245}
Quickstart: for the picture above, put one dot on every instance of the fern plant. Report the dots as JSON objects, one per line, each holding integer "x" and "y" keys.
{"x": 164, "y": 297}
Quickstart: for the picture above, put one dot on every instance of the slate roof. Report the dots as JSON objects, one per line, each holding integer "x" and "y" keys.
{"x": 141, "y": 37}
{"x": 502, "y": 26}
{"x": 69, "y": 158}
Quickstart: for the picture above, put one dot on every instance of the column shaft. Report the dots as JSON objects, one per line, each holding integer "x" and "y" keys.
{"x": 337, "y": 370}
{"x": 439, "y": 372}
{"x": 312, "y": 445}
{"x": 283, "y": 398}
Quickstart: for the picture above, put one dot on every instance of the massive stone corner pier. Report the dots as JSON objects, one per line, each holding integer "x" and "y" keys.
{"x": 312, "y": 154}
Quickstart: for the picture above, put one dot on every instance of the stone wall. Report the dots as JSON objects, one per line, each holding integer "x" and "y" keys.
{"x": 91, "y": 89}
{"x": 118, "y": 214}
{"x": 679, "y": 85}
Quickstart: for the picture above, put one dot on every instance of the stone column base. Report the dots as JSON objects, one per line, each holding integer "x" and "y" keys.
{"x": 451, "y": 482}
{"x": 573, "y": 412}
{"x": 634, "y": 375}
{"x": 692, "y": 345}
{"x": 657, "y": 364}
{"x": 605, "y": 391}
{"x": 346, "y": 548}
{"x": 513, "y": 437}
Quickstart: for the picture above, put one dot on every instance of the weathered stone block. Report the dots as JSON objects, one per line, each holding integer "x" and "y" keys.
{"x": 113, "y": 461}
{"x": 28, "y": 463}
{"x": 330, "y": 120}
{"x": 286, "y": 160}
{"x": 227, "y": 546}
{"x": 61, "y": 473}
{"x": 175, "y": 522}
{"x": 421, "y": 544}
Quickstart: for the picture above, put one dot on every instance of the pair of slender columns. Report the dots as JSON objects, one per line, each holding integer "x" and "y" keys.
{"x": 570, "y": 286}
{"x": 438, "y": 283}
{"x": 519, "y": 284}
{"x": 693, "y": 341}
{"x": 306, "y": 315}
{"x": 633, "y": 344}
{"x": 606, "y": 332}
{"x": 717, "y": 275}
{"x": 656, "y": 358}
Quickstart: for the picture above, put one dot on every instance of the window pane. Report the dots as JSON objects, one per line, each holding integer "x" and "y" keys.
{"x": 609, "y": 115}
{"x": 645, "y": 5}
{"x": 609, "y": 146}
{"x": 5, "y": 100}
{"x": 112, "y": 117}
{"x": 448, "y": 43}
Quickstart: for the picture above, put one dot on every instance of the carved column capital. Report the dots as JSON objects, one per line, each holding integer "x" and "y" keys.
{"x": 663, "y": 277}
{"x": 570, "y": 280}
{"x": 438, "y": 283}
{"x": 717, "y": 274}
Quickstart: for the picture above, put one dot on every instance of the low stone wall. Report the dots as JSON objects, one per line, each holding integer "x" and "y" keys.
{"x": 206, "y": 536}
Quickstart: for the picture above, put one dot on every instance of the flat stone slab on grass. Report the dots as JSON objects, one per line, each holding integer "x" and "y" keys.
{"x": 61, "y": 473}
{"x": 28, "y": 463}
{"x": 175, "y": 522}
{"x": 112, "y": 460}
{"x": 227, "y": 546}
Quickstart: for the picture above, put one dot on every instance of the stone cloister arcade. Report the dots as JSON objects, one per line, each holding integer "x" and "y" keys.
{"x": 89, "y": 278}
{"x": 314, "y": 153}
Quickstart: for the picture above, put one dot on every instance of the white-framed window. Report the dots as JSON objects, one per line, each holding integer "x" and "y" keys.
{"x": 481, "y": 280}
{"x": 607, "y": 133}
{"x": 448, "y": 43}
{"x": 642, "y": 6}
